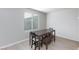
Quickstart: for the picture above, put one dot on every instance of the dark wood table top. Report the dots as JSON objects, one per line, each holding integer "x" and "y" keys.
{"x": 42, "y": 32}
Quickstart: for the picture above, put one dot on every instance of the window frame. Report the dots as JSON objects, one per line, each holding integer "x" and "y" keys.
{"x": 32, "y": 23}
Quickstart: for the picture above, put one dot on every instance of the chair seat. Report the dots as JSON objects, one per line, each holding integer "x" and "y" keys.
{"x": 47, "y": 40}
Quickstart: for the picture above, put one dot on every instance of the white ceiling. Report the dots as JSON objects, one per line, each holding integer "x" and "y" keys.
{"x": 45, "y": 10}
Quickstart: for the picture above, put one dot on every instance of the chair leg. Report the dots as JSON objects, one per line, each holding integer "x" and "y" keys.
{"x": 35, "y": 47}
{"x": 46, "y": 46}
{"x": 39, "y": 48}
{"x": 41, "y": 43}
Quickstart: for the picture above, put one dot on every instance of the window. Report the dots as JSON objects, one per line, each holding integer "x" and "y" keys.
{"x": 30, "y": 21}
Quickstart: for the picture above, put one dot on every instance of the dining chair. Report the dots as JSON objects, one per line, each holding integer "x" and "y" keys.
{"x": 34, "y": 41}
{"x": 47, "y": 40}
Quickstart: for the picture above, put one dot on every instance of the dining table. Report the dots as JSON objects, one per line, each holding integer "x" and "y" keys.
{"x": 41, "y": 33}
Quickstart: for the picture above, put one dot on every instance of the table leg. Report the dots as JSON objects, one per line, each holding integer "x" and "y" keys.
{"x": 54, "y": 35}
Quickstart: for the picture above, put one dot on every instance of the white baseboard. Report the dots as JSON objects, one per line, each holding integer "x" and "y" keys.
{"x": 67, "y": 38}
{"x": 14, "y": 43}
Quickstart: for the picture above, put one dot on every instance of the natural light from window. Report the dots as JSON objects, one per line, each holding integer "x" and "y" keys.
{"x": 30, "y": 21}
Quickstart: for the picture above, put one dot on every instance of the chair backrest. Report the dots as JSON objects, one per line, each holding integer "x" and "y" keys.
{"x": 51, "y": 29}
